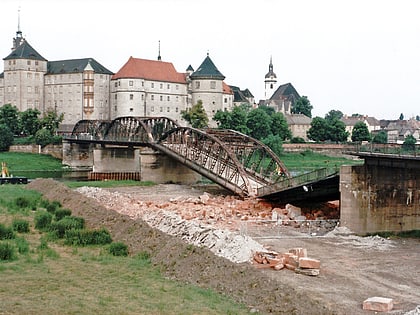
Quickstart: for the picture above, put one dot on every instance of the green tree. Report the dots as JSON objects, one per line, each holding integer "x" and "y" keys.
{"x": 223, "y": 119}
{"x": 279, "y": 126}
{"x": 319, "y": 130}
{"x": 275, "y": 143}
{"x": 51, "y": 121}
{"x": 6, "y": 137}
{"x": 401, "y": 116}
{"x": 9, "y": 117}
{"x": 417, "y": 117}
{"x": 360, "y": 132}
{"x": 43, "y": 137}
{"x": 337, "y": 131}
{"x": 409, "y": 143}
{"x": 239, "y": 118}
{"x": 380, "y": 137}
{"x": 259, "y": 124}
{"x": 334, "y": 114}
{"x": 302, "y": 106}
{"x": 196, "y": 116}
{"x": 29, "y": 121}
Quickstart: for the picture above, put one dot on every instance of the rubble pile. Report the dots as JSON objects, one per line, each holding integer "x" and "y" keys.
{"x": 295, "y": 259}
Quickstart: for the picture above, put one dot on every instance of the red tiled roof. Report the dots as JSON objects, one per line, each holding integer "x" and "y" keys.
{"x": 226, "y": 88}
{"x": 154, "y": 70}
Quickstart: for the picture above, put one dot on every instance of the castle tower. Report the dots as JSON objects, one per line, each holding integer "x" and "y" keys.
{"x": 270, "y": 81}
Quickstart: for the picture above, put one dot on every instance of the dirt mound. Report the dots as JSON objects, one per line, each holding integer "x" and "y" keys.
{"x": 184, "y": 262}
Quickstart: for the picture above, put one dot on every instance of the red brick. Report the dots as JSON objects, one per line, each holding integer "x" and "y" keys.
{"x": 379, "y": 304}
{"x": 300, "y": 252}
{"x": 309, "y": 263}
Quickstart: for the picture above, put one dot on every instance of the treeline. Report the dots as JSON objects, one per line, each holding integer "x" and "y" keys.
{"x": 28, "y": 127}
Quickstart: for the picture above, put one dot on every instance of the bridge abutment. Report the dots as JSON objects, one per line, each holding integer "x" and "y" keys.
{"x": 383, "y": 195}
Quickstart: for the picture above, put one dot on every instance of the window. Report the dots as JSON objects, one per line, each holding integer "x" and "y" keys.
{"x": 116, "y": 84}
{"x": 119, "y": 83}
{"x": 153, "y": 85}
{"x": 167, "y": 109}
{"x": 152, "y": 97}
{"x": 29, "y": 75}
{"x": 142, "y": 97}
{"x": 131, "y": 109}
{"x": 37, "y": 90}
{"x": 169, "y": 98}
{"x": 176, "y": 109}
{"x": 177, "y": 86}
{"x": 161, "y": 86}
{"x": 115, "y": 96}
{"x": 161, "y": 109}
{"x": 36, "y": 62}
{"x": 169, "y": 86}
{"x": 197, "y": 84}
{"x": 225, "y": 99}
{"x": 212, "y": 85}
{"x": 130, "y": 83}
{"x": 28, "y": 62}
{"x": 177, "y": 99}
{"x": 161, "y": 98}
{"x": 29, "y": 89}
{"x": 131, "y": 97}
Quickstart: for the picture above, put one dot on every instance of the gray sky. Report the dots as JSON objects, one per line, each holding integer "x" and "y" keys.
{"x": 358, "y": 56}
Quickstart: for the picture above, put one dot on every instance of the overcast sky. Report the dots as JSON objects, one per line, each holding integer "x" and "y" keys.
{"x": 358, "y": 56}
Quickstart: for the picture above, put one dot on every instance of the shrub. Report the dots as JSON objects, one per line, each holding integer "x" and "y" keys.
{"x": 7, "y": 251}
{"x": 43, "y": 137}
{"x": 52, "y": 207}
{"x": 22, "y": 245}
{"x": 22, "y": 202}
{"x": 61, "y": 213}
{"x": 67, "y": 223}
{"x": 43, "y": 220}
{"x": 6, "y": 233}
{"x": 20, "y": 226}
{"x": 118, "y": 249}
{"x": 80, "y": 237}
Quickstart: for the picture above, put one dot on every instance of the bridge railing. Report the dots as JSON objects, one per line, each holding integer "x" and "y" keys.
{"x": 297, "y": 180}
{"x": 393, "y": 149}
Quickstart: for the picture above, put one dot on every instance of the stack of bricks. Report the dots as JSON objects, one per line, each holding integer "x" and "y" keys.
{"x": 296, "y": 259}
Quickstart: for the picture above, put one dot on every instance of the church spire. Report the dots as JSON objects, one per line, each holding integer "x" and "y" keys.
{"x": 270, "y": 80}
{"x": 19, "y": 38}
{"x": 159, "y": 57}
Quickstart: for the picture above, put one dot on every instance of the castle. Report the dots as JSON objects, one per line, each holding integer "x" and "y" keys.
{"x": 85, "y": 89}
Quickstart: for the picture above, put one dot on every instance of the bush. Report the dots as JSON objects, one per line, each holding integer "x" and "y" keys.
{"x": 297, "y": 140}
{"x": 6, "y": 137}
{"x": 43, "y": 220}
{"x": 87, "y": 237}
{"x": 7, "y": 251}
{"x": 52, "y": 207}
{"x": 43, "y": 137}
{"x": 67, "y": 223}
{"x": 22, "y": 245}
{"x": 61, "y": 213}
{"x": 6, "y": 233}
{"x": 20, "y": 226}
{"x": 118, "y": 249}
{"x": 22, "y": 202}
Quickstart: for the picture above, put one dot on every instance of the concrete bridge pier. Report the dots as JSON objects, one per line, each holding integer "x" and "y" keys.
{"x": 381, "y": 195}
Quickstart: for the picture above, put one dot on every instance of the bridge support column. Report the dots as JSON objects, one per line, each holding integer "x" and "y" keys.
{"x": 160, "y": 168}
{"x": 78, "y": 156}
{"x": 377, "y": 197}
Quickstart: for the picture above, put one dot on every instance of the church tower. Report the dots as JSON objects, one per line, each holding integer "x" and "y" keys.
{"x": 270, "y": 81}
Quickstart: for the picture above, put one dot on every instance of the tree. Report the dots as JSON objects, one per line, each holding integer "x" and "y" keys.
{"x": 196, "y": 116}
{"x": 380, "y": 137}
{"x": 279, "y": 126}
{"x": 302, "y": 106}
{"x": 275, "y": 143}
{"x": 417, "y": 117}
{"x": 51, "y": 121}
{"x": 401, "y": 116}
{"x": 333, "y": 114}
{"x": 337, "y": 131}
{"x": 6, "y": 137}
{"x": 360, "y": 132}
{"x": 9, "y": 117}
{"x": 319, "y": 130}
{"x": 409, "y": 143}
{"x": 259, "y": 124}
{"x": 239, "y": 118}
{"x": 223, "y": 119}
{"x": 29, "y": 122}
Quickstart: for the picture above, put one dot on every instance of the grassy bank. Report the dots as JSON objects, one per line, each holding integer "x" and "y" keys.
{"x": 44, "y": 276}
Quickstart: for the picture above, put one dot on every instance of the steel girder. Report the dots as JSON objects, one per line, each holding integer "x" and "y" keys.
{"x": 258, "y": 160}
{"x": 208, "y": 156}
{"x": 94, "y": 129}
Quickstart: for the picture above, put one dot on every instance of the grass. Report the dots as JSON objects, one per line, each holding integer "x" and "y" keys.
{"x": 47, "y": 277}
{"x": 307, "y": 161}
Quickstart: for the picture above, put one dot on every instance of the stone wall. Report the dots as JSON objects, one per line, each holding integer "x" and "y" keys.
{"x": 378, "y": 198}
{"x": 53, "y": 150}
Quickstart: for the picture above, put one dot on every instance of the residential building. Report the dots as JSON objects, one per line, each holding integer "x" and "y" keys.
{"x": 299, "y": 125}
{"x": 372, "y": 123}
{"x": 398, "y": 130}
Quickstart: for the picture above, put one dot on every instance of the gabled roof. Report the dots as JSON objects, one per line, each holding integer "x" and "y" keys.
{"x": 298, "y": 119}
{"x": 352, "y": 120}
{"x": 154, "y": 70}
{"x": 25, "y": 51}
{"x": 226, "y": 89}
{"x": 75, "y": 66}
{"x": 239, "y": 96}
{"x": 285, "y": 91}
{"x": 207, "y": 70}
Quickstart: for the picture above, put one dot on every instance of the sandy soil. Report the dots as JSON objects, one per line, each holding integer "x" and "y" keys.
{"x": 352, "y": 268}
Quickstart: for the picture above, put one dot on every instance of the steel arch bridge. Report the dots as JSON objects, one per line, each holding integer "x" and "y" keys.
{"x": 233, "y": 160}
